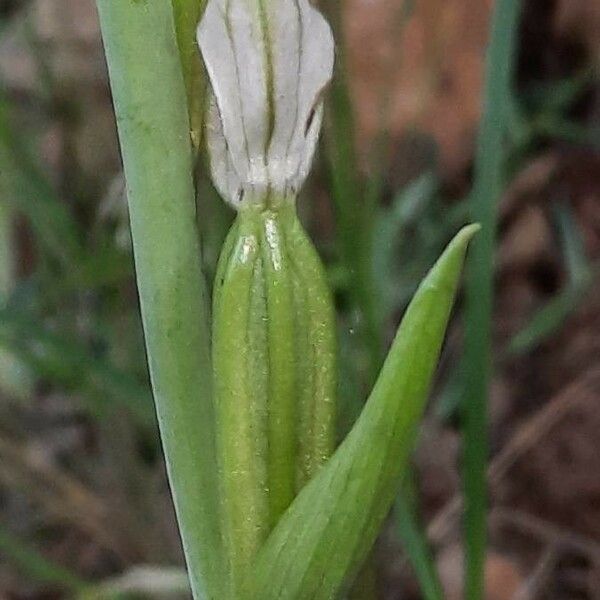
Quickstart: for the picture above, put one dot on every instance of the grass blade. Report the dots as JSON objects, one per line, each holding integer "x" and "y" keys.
{"x": 151, "y": 108}
{"x": 15, "y": 378}
{"x": 330, "y": 527}
{"x": 412, "y": 535}
{"x": 489, "y": 165}
{"x": 547, "y": 320}
{"x": 354, "y": 217}
{"x": 7, "y": 254}
{"x": 27, "y": 189}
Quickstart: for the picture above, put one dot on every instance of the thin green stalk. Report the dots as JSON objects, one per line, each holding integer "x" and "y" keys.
{"x": 7, "y": 262}
{"x": 10, "y": 367}
{"x": 414, "y": 540}
{"x": 354, "y": 216}
{"x": 487, "y": 188}
{"x": 356, "y": 202}
{"x": 151, "y": 108}
{"x": 356, "y": 209}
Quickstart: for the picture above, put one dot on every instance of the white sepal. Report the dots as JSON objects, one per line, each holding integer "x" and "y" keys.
{"x": 268, "y": 62}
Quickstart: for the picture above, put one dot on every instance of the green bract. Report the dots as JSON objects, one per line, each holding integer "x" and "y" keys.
{"x": 274, "y": 365}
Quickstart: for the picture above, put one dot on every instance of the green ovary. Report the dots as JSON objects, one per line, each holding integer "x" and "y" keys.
{"x": 275, "y": 374}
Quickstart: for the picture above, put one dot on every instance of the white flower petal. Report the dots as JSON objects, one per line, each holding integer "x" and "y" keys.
{"x": 311, "y": 139}
{"x": 268, "y": 63}
{"x": 224, "y": 173}
{"x": 285, "y": 28}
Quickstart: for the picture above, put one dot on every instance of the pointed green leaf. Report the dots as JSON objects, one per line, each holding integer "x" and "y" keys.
{"x": 331, "y": 525}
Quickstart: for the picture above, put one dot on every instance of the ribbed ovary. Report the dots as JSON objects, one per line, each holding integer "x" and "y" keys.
{"x": 275, "y": 374}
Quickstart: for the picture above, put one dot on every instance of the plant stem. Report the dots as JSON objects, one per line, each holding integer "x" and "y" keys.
{"x": 150, "y": 103}
{"x": 488, "y": 184}
{"x": 354, "y": 214}
{"x": 15, "y": 378}
{"x": 7, "y": 262}
{"x": 414, "y": 539}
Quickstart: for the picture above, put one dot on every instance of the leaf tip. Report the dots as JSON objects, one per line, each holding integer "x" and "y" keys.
{"x": 454, "y": 255}
{"x": 458, "y": 246}
{"x": 467, "y": 233}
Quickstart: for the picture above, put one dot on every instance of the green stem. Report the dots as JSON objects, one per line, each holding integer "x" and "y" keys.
{"x": 414, "y": 540}
{"x": 354, "y": 217}
{"x": 487, "y": 188}
{"x": 7, "y": 263}
{"x": 150, "y": 104}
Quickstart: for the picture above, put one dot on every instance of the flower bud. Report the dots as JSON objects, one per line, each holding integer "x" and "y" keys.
{"x": 274, "y": 365}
